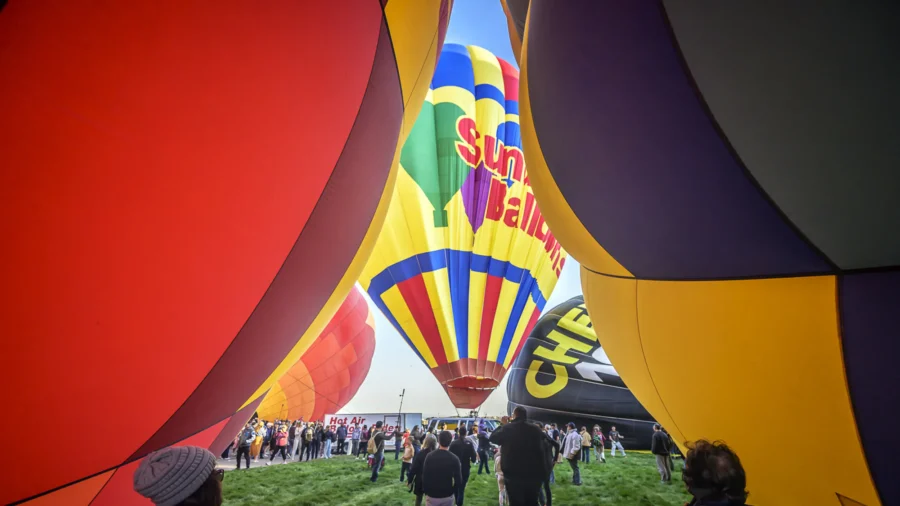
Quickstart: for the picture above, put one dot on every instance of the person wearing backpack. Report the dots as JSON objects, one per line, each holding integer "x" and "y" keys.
{"x": 572, "y": 451}
{"x": 308, "y": 433}
{"x": 599, "y": 444}
{"x": 245, "y": 439}
{"x": 375, "y": 447}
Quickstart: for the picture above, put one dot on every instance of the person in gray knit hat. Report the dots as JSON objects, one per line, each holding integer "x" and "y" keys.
{"x": 180, "y": 476}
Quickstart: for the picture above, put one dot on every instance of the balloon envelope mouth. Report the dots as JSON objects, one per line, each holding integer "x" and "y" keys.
{"x": 473, "y": 382}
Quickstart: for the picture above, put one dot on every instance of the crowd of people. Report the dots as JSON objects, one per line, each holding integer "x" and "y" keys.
{"x": 436, "y": 465}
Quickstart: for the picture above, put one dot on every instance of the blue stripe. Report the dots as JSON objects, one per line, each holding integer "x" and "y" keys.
{"x": 514, "y": 317}
{"x": 435, "y": 260}
{"x": 454, "y": 68}
{"x": 491, "y": 92}
{"x": 458, "y": 273}
{"x": 512, "y": 107}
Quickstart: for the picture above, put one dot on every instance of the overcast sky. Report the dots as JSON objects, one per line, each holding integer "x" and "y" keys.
{"x": 395, "y": 366}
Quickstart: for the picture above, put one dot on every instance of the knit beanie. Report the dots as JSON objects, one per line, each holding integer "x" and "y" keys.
{"x": 171, "y": 475}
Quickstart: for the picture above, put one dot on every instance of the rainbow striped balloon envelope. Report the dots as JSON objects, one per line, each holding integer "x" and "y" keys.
{"x": 465, "y": 263}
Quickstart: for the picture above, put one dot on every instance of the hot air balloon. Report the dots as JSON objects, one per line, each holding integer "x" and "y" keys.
{"x": 465, "y": 263}
{"x": 330, "y": 372}
{"x": 174, "y": 175}
{"x": 563, "y": 375}
{"x": 736, "y": 220}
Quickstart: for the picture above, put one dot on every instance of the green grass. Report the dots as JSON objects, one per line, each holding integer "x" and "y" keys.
{"x": 631, "y": 481}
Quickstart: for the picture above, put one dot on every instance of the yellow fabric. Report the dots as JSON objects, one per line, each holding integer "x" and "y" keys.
{"x": 559, "y": 216}
{"x": 413, "y": 25}
{"x": 756, "y": 363}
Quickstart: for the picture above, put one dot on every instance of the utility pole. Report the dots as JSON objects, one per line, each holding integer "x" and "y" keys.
{"x": 400, "y": 411}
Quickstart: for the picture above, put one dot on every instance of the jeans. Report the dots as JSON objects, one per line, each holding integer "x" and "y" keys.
{"x": 308, "y": 446}
{"x": 295, "y": 447}
{"x": 315, "y": 449}
{"x": 354, "y": 447}
{"x": 275, "y": 452}
{"x": 362, "y": 448}
{"x": 552, "y": 479}
{"x": 461, "y": 490}
{"x": 376, "y": 465}
{"x": 327, "y": 448}
{"x": 522, "y": 491}
{"x": 397, "y": 447}
{"x": 546, "y": 496}
{"x": 243, "y": 450}
{"x": 576, "y": 473}
{"x": 586, "y": 454}
{"x": 615, "y": 444}
{"x": 404, "y": 469}
{"x": 483, "y": 456}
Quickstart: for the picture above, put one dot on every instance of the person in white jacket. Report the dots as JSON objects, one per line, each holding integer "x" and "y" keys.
{"x": 572, "y": 451}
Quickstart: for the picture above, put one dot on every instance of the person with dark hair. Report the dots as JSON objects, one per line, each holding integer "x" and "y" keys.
{"x": 484, "y": 451}
{"x": 551, "y": 448}
{"x": 522, "y": 451}
{"x": 398, "y": 442}
{"x": 280, "y": 438}
{"x": 614, "y": 442}
{"x": 341, "y": 441}
{"x": 245, "y": 439}
{"x": 180, "y": 476}
{"x": 465, "y": 452}
{"x": 414, "y": 476}
{"x": 378, "y": 454}
{"x": 441, "y": 474}
{"x": 363, "y": 440}
{"x": 572, "y": 451}
{"x": 659, "y": 446}
{"x": 713, "y": 475}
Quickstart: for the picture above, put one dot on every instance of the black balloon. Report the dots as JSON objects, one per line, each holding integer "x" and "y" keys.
{"x": 563, "y": 375}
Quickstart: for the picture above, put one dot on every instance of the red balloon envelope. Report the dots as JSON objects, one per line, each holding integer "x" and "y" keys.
{"x": 186, "y": 187}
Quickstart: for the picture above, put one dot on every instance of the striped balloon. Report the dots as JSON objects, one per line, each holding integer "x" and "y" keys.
{"x": 465, "y": 263}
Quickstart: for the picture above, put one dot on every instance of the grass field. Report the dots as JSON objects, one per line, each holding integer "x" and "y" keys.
{"x": 631, "y": 481}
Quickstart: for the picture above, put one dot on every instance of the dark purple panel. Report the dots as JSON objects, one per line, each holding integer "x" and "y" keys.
{"x": 870, "y": 335}
{"x": 233, "y": 425}
{"x": 312, "y": 269}
{"x": 636, "y": 155}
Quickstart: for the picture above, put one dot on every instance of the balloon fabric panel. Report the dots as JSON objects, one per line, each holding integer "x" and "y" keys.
{"x": 465, "y": 262}
{"x": 110, "y": 267}
{"x": 714, "y": 217}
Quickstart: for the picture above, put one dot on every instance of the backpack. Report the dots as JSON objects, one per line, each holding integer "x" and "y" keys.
{"x": 371, "y": 447}
{"x": 307, "y": 435}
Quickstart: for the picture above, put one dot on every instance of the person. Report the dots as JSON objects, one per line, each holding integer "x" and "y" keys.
{"x": 501, "y": 484}
{"x": 415, "y": 436}
{"x": 586, "y": 442}
{"x": 571, "y": 450}
{"x": 245, "y": 439}
{"x": 354, "y": 440}
{"x": 614, "y": 442}
{"x": 408, "y": 454}
{"x": 296, "y": 443}
{"x": 269, "y": 440}
{"x": 484, "y": 449}
{"x": 713, "y": 475}
{"x": 441, "y": 473}
{"x": 398, "y": 442}
{"x": 377, "y": 449}
{"x": 280, "y": 439}
{"x": 551, "y": 449}
{"x": 363, "y": 440}
{"x": 599, "y": 444}
{"x": 522, "y": 446}
{"x": 328, "y": 439}
{"x": 464, "y": 450}
{"x": 180, "y": 476}
{"x": 341, "y": 435}
{"x": 309, "y": 435}
{"x": 659, "y": 446}
{"x": 414, "y": 476}
{"x": 292, "y": 436}
{"x": 256, "y": 447}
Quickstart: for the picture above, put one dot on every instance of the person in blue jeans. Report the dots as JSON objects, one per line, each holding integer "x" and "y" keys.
{"x": 378, "y": 436}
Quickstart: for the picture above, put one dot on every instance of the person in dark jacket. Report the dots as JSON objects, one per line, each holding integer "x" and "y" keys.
{"x": 414, "y": 476}
{"x": 522, "y": 452}
{"x": 552, "y": 453}
{"x": 318, "y": 438}
{"x": 659, "y": 446}
{"x": 341, "y": 440}
{"x": 415, "y": 436}
{"x": 484, "y": 451}
{"x": 328, "y": 439}
{"x": 441, "y": 473}
{"x": 248, "y": 435}
{"x": 398, "y": 442}
{"x": 713, "y": 475}
{"x": 363, "y": 441}
{"x": 465, "y": 452}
